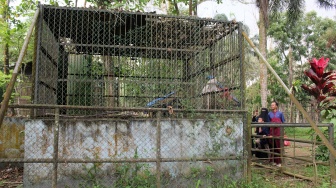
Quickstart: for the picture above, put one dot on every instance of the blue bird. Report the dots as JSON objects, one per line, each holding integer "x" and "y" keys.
{"x": 159, "y": 99}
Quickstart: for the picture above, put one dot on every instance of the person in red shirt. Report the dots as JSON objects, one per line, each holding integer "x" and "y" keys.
{"x": 276, "y": 117}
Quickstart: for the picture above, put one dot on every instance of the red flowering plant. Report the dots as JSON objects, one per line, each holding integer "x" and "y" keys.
{"x": 323, "y": 87}
{"x": 324, "y": 91}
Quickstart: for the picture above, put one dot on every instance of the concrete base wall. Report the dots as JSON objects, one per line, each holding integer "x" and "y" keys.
{"x": 134, "y": 139}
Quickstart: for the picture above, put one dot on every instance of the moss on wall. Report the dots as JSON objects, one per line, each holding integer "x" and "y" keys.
{"x": 12, "y": 138}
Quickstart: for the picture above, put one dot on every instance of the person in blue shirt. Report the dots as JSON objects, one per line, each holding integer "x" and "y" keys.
{"x": 275, "y": 116}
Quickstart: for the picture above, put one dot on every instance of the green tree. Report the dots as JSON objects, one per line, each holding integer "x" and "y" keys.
{"x": 295, "y": 43}
{"x": 121, "y": 4}
{"x": 5, "y": 33}
{"x": 268, "y": 8}
{"x": 13, "y": 30}
{"x": 312, "y": 36}
{"x": 14, "y": 23}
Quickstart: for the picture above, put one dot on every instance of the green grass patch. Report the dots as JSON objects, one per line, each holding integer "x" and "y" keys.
{"x": 303, "y": 133}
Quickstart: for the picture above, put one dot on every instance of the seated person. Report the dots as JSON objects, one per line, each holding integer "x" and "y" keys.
{"x": 262, "y": 143}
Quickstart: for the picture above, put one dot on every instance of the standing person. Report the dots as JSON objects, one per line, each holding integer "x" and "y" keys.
{"x": 275, "y": 116}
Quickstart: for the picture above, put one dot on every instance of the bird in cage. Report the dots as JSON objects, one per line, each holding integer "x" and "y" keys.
{"x": 213, "y": 86}
{"x": 168, "y": 101}
{"x": 160, "y": 99}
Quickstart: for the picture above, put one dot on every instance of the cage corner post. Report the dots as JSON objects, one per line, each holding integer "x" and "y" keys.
{"x": 35, "y": 62}
{"x": 55, "y": 145}
{"x": 158, "y": 150}
{"x": 248, "y": 132}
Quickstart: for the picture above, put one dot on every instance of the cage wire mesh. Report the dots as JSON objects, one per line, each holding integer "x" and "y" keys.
{"x": 123, "y": 59}
{"x": 107, "y": 64}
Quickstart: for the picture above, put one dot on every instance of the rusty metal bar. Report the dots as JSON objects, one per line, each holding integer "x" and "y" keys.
{"x": 331, "y": 157}
{"x": 135, "y": 47}
{"x": 296, "y": 158}
{"x": 286, "y": 172}
{"x": 45, "y": 106}
{"x": 282, "y": 149}
{"x": 287, "y": 156}
{"x": 131, "y": 160}
{"x": 206, "y": 20}
{"x": 289, "y": 139}
{"x": 298, "y": 176}
{"x": 277, "y": 154}
{"x": 158, "y": 150}
{"x": 253, "y": 125}
{"x": 249, "y": 151}
{"x": 9, "y": 89}
{"x": 295, "y": 101}
{"x": 35, "y": 59}
{"x": 242, "y": 68}
{"x": 55, "y": 154}
{"x": 227, "y": 60}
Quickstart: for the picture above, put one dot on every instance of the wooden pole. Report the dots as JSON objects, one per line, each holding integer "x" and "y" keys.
{"x": 9, "y": 89}
{"x": 295, "y": 101}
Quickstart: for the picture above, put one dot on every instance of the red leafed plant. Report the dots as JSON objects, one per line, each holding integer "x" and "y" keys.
{"x": 323, "y": 87}
{"x": 324, "y": 90}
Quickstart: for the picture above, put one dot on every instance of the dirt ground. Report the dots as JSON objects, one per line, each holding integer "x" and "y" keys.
{"x": 301, "y": 150}
{"x": 11, "y": 177}
{"x": 294, "y": 172}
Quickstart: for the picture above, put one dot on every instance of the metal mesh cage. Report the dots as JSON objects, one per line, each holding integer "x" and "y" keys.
{"x": 121, "y": 59}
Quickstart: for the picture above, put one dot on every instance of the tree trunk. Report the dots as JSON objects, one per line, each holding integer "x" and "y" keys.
{"x": 263, "y": 50}
{"x": 6, "y": 47}
{"x": 195, "y": 8}
{"x": 190, "y": 7}
{"x": 290, "y": 81}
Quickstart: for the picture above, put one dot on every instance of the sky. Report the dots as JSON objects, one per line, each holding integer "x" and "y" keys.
{"x": 245, "y": 13}
{"x": 248, "y": 13}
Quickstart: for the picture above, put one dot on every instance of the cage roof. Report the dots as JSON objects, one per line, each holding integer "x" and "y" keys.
{"x": 114, "y": 32}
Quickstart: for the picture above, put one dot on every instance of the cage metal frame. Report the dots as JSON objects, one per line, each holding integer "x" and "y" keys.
{"x": 189, "y": 41}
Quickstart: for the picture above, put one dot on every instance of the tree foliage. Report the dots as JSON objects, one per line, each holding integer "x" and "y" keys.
{"x": 18, "y": 19}
{"x": 310, "y": 36}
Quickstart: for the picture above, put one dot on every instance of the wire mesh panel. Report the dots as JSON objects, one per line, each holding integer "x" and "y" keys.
{"x": 38, "y": 146}
{"x": 122, "y": 59}
{"x": 135, "y": 153}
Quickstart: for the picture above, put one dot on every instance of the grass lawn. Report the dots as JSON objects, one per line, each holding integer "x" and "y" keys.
{"x": 304, "y": 133}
